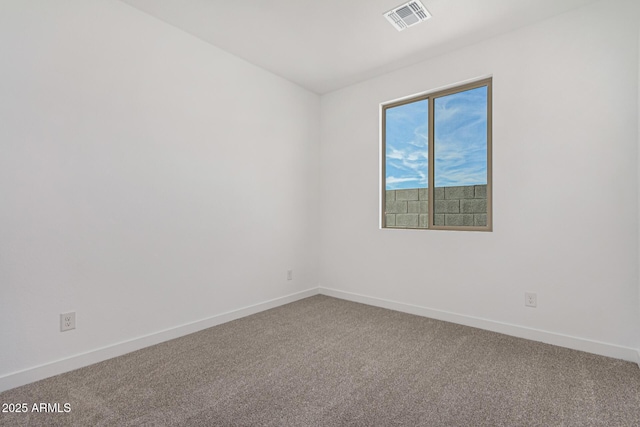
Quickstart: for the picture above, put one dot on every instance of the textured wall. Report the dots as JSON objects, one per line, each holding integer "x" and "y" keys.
{"x": 463, "y": 205}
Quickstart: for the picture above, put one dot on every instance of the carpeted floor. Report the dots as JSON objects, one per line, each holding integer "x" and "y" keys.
{"x": 328, "y": 362}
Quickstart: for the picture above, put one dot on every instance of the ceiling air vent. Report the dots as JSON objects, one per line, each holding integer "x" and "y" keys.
{"x": 408, "y": 14}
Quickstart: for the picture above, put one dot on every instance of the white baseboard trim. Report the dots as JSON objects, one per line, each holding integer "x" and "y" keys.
{"x": 71, "y": 363}
{"x": 589, "y": 346}
{"x": 77, "y": 361}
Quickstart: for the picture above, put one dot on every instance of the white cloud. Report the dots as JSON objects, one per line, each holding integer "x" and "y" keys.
{"x": 392, "y": 153}
{"x": 394, "y": 180}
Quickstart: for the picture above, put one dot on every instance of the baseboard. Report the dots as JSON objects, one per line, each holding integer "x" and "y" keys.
{"x": 47, "y": 370}
{"x": 589, "y": 346}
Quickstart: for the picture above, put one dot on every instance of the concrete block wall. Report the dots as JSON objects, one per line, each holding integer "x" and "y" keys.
{"x": 456, "y": 206}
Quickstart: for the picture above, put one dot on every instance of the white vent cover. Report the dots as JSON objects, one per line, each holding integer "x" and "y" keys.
{"x": 408, "y": 14}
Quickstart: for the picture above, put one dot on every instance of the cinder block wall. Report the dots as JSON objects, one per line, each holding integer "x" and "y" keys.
{"x": 463, "y": 205}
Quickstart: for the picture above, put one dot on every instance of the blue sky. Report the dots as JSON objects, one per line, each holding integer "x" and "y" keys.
{"x": 460, "y": 135}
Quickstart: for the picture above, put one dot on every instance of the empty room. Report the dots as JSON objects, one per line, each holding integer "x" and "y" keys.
{"x": 319, "y": 212}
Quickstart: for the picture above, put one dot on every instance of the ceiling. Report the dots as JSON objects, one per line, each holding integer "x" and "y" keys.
{"x": 324, "y": 45}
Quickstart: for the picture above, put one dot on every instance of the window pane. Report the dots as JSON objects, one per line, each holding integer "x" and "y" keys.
{"x": 406, "y": 165}
{"x": 460, "y": 154}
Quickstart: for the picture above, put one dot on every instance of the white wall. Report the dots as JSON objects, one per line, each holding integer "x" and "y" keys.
{"x": 147, "y": 180}
{"x": 565, "y": 164}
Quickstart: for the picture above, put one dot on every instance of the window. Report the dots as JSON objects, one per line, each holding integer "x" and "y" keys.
{"x": 442, "y": 138}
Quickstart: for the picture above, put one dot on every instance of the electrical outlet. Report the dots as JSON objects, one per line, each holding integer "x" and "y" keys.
{"x": 67, "y": 321}
{"x": 289, "y": 274}
{"x": 530, "y": 299}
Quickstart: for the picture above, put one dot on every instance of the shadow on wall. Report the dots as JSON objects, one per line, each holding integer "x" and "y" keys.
{"x": 462, "y": 206}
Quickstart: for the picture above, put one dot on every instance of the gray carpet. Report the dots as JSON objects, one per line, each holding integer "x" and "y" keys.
{"x": 327, "y": 362}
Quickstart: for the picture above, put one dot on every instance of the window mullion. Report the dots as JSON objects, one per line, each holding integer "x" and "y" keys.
{"x": 430, "y": 165}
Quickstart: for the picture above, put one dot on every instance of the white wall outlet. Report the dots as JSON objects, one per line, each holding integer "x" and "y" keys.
{"x": 67, "y": 321}
{"x": 530, "y": 299}
{"x": 289, "y": 274}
